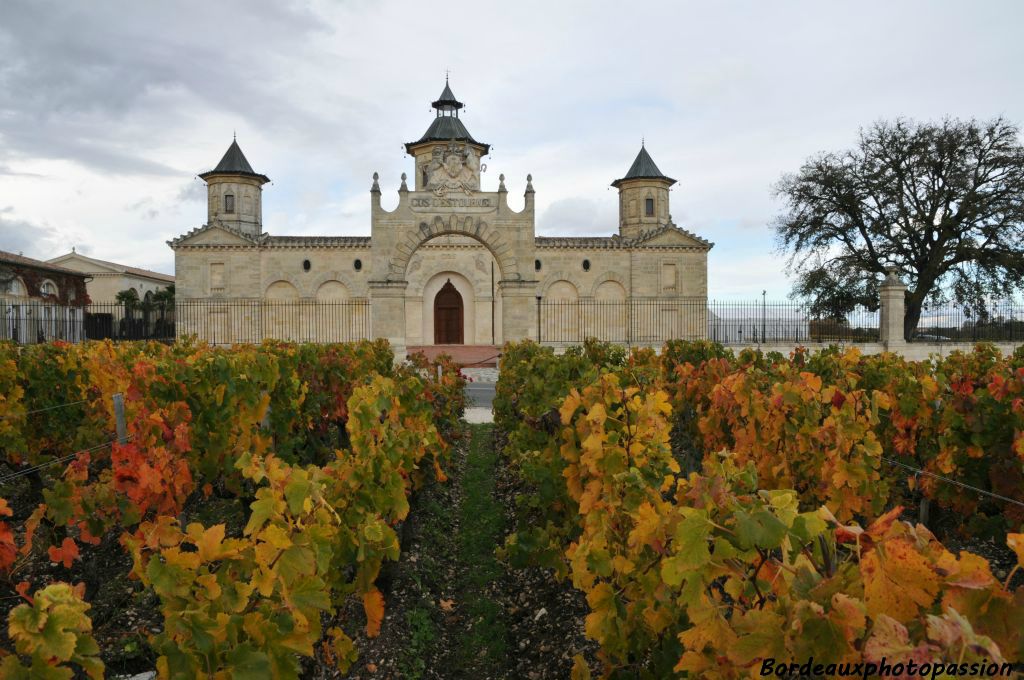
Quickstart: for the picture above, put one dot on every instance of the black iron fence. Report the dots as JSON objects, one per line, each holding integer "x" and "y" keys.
{"x": 31, "y": 320}
{"x": 655, "y": 320}
{"x": 28, "y": 321}
{"x": 132, "y": 321}
{"x": 1001, "y": 321}
{"x": 224, "y": 321}
{"x": 629, "y": 321}
{"x": 634, "y": 321}
{"x": 241, "y": 320}
{"x": 768, "y": 322}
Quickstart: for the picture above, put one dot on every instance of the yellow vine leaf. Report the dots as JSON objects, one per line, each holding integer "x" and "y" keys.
{"x": 339, "y": 650}
{"x": 207, "y": 541}
{"x": 209, "y": 582}
{"x": 970, "y": 571}
{"x": 569, "y": 406}
{"x": 648, "y": 522}
{"x": 580, "y": 669}
{"x": 897, "y": 580}
{"x": 890, "y": 640}
{"x": 600, "y": 621}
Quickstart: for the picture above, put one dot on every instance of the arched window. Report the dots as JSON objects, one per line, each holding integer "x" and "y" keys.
{"x": 14, "y": 287}
{"x": 229, "y": 203}
{"x": 48, "y": 287}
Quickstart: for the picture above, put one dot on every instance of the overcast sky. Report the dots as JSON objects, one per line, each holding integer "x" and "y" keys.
{"x": 108, "y": 110}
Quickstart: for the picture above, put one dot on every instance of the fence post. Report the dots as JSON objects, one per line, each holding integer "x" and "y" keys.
{"x": 122, "y": 426}
{"x": 538, "y": 319}
{"x": 440, "y": 373}
{"x": 891, "y": 310}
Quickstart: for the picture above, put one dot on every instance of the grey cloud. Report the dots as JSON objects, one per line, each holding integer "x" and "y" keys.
{"x": 21, "y": 236}
{"x": 574, "y": 216}
{"x": 194, "y": 190}
{"x": 89, "y": 86}
{"x": 6, "y": 170}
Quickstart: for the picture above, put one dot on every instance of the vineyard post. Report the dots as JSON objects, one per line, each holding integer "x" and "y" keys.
{"x": 265, "y": 424}
{"x": 439, "y": 373}
{"x": 119, "y": 421}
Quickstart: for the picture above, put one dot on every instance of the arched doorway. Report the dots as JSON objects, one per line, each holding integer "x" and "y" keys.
{"x": 448, "y": 316}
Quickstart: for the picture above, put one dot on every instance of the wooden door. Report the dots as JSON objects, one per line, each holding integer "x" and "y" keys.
{"x": 448, "y": 316}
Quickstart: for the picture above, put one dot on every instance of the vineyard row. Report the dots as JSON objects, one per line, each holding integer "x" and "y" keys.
{"x": 720, "y": 512}
{"x": 324, "y": 444}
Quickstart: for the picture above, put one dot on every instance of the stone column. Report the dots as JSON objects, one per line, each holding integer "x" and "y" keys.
{"x": 518, "y": 310}
{"x": 387, "y": 314}
{"x": 892, "y": 304}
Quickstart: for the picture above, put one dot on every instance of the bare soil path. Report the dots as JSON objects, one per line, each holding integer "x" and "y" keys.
{"x": 453, "y": 609}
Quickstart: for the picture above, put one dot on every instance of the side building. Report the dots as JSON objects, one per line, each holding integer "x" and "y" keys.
{"x": 40, "y": 301}
{"x": 107, "y": 279}
{"x": 451, "y": 264}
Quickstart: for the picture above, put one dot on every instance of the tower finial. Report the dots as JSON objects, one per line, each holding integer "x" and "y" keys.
{"x": 642, "y": 141}
{"x": 234, "y": 135}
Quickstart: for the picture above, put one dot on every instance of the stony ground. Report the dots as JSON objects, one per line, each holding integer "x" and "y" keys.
{"x": 454, "y": 610}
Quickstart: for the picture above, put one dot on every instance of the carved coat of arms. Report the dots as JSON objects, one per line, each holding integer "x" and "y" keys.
{"x": 452, "y": 168}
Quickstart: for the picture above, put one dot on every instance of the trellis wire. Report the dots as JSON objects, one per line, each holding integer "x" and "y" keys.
{"x": 918, "y": 471}
{"x": 48, "y": 408}
{"x": 55, "y": 461}
{"x": 122, "y": 437}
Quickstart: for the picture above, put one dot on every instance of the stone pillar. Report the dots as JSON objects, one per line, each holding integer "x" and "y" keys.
{"x": 387, "y": 314}
{"x": 892, "y": 304}
{"x": 518, "y": 310}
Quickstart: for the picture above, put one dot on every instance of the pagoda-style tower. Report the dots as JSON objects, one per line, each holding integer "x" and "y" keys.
{"x": 446, "y": 147}
{"x": 643, "y": 197}
{"x": 235, "y": 193}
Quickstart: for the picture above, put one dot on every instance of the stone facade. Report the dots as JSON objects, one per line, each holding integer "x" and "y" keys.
{"x": 445, "y": 229}
{"x": 107, "y": 279}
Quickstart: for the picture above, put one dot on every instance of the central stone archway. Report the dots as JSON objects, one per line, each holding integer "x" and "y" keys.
{"x": 462, "y": 225}
{"x": 484, "y": 217}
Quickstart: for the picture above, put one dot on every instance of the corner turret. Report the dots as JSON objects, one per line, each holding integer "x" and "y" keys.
{"x": 643, "y": 196}
{"x": 235, "y": 193}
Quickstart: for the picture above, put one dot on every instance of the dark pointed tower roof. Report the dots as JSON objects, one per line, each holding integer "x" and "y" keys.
{"x": 446, "y": 126}
{"x": 234, "y": 162}
{"x": 644, "y": 168}
{"x": 447, "y": 99}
